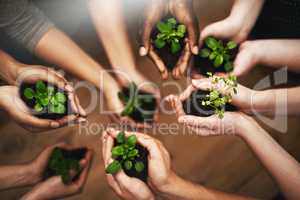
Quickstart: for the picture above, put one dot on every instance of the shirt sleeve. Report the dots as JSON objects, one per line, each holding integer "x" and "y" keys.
{"x": 22, "y": 21}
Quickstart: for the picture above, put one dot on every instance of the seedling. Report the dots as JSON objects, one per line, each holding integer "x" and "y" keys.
{"x": 215, "y": 99}
{"x": 63, "y": 165}
{"x": 219, "y": 53}
{"x": 127, "y": 156}
{"x": 46, "y": 97}
{"x": 138, "y": 106}
{"x": 170, "y": 33}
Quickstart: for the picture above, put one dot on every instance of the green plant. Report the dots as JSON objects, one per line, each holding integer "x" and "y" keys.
{"x": 215, "y": 99}
{"x": 63, "y": 166}
{"x": 219, "y": 53}
{"x": 45, "y": 96}
{"x": 135, "y": 102}
{"x": 124, "y": 155}
{"x": 169, "y": 33}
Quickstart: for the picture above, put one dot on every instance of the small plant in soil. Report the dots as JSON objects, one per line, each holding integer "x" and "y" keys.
{"x": 217, "y": 55}
{"x": 45, "y": 99}
{"x": 65, "y": 163}
{"x": 168, "y": 39}
{"x": 206, "y": 103}
{"x": 139, "y": 106}
{"x": 129, "y": 156}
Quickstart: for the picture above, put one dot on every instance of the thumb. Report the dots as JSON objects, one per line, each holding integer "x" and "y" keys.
{"x": 202, "y": 84}
{"x": 243, "y": 63}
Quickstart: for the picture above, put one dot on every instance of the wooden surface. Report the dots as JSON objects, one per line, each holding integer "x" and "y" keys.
{"x": 224, "y": 163}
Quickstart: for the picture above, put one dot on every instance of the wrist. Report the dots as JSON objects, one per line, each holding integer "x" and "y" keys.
{"x": 32, "y": 195}
{"x": 247, "y": 126}
{"x": 169, "y": 187}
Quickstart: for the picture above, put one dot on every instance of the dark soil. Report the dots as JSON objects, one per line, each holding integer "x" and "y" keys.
{"x": 44, "y": 114}
{"x": 169, "y": 59}
{"x": 204, "y": 65}
{"x": 193, "y": 106}
{"x": 146, "y": 107}
{"x": 143, "y": 152}
{"x": 76, "y": 154}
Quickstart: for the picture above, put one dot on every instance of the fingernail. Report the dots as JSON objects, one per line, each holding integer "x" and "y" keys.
{"x": 195, "y": 50}
{"x": 69, "y": 88}
{"x": 143, "y": 51}
{"x": 54, "y": 124}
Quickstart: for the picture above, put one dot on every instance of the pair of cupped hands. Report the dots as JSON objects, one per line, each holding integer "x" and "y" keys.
{"x": 12, "y": 103}
{"x": 53, "y": 187}
{"x": 232, "y": 28}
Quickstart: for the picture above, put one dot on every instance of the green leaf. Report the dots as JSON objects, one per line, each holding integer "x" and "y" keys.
{"x": 231, "y": 45}
{"x": 44, "y": 101}
{"x": 175, "y": 47}
{"x": 131, "y": 140}
{"x": 204, "y": 53}
{"x": 181, "y": 29}
{"x": 218, "y": 60}
{"x": 128, "y": 165}
{"x": 29, "y": 93}
{"x": 212, "y": 55}
{"x": 58, "y": 109}
{"x": 214, "y": 95}
{"x": 40, "y": 86}
{"x": 50, "y": 90}
{"x": 60, "y": 97}
{"x": 159, "y": 43}
{"x": 121, "y": 138}
{"x": 38, "y": 107}
{"x": 172, "y": 21}
{"x": 66, "y": 178}
{"x": 118, "y": 151}
{"x": 228, "y": 66}
{"x": 164, "y": 27}
{"x": 123, "y": 97}
{"x": 113, "y": 167}
{"x": 139, "y": 166}
{"x": 133, "y": 153}
{"x": 212, "y": 43}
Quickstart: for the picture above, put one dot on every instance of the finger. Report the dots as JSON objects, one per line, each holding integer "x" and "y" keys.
{"x": 243, "y": 63}
{"x": 159, "y": 63}
{"x": 71, "y": 98}
{"x": 113, "y": 184}
{"x": 202, "y": 84}
{"x": 192, "y": 28}
{"x": 108, "y": 145}
{"x": 67, "y": 120}
{"x": 80, "y": 108}
{"x": 83, "y": 176}
{"x": 182, "y": 63}
{"x": 187, "y": 93}
{"x": 177, "y": 105}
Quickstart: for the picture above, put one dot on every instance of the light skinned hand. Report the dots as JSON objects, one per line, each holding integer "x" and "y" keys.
{"x": 54, "y": 188}
{"x": 125, "y": 187}
{"x": 182, "y": 10}
{"x": 213, "y": 125}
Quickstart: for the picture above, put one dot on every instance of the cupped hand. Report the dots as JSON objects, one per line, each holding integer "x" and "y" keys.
{"x": 124, "y": 186}
{"x": 182, "y": 10}
{"x": 116, "y": 105}
{"x": 54, "y": 188}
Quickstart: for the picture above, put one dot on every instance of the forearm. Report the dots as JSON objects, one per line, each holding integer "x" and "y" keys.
{"x": 280, "y": 53}
{"x": 59, "y": 49}
{"x": 276, "y": 101}
{"x": 8, "y": 68}
{"x": 108, "y": 18}
{"x": 185, "y": 190}
{"x": 15, "y": 176}
{"x": 282, "y": 166}
{"x": 246, "y": 12}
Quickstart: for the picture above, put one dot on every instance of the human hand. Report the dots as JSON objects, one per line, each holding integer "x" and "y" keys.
{"x": 124, "y": 186}
{"x": 237, "y": 25}
{"x": 182, "y": 10}
{"x": 117, "y": 106}
{"x": 54, "y": 188}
